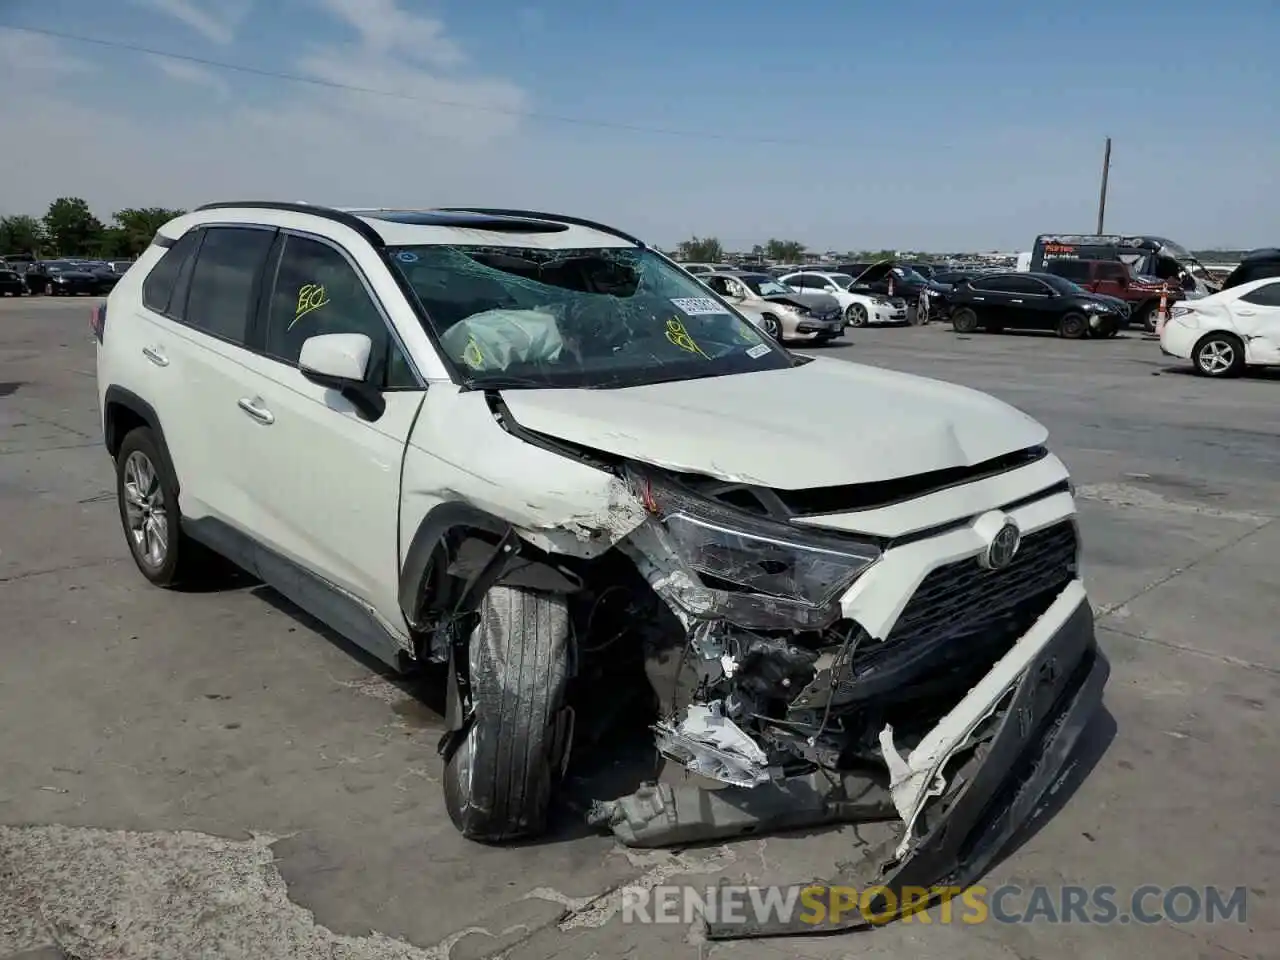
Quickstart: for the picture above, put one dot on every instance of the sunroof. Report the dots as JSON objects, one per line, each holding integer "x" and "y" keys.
{"x": 471, "y": 221}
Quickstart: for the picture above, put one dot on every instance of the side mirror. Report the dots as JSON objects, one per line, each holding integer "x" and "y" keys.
{"x": 340, "y": 361}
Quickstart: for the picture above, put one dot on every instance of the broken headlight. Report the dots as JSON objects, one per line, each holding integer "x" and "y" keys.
{"x": 734, "y": 551}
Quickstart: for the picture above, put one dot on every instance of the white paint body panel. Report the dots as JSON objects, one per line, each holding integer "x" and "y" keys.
{"x": 1257, "y": 325}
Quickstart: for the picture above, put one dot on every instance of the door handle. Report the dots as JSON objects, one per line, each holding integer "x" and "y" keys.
{"x": 1245, "y": 313}
{"x": 155, "y": 356}
{"x": 254, "y": 409}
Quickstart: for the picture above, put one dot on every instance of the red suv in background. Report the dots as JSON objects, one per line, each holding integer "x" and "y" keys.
{"x": 1112, "y": 278}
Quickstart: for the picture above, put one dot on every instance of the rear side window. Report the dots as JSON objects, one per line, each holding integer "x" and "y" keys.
{"x": 224, "y": 281}
{"x": 1267, "y": 295}
{"x": 158, "y": 287}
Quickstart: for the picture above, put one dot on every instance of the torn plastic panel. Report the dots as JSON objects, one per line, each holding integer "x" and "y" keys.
{"x": 804, "y": 716}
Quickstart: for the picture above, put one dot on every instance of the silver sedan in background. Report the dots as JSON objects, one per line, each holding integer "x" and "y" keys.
{"x": 778, "y": 310}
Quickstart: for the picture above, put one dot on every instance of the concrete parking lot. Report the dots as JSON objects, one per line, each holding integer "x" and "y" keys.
{"x": 213, "y": 775}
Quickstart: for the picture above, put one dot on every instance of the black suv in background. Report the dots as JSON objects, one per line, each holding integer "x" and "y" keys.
{"x": 1257, "y": 265}
{"x": 1031, "y": 301}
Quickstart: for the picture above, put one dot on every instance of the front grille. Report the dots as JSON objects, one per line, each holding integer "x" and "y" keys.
{"x": 964, "y": 597}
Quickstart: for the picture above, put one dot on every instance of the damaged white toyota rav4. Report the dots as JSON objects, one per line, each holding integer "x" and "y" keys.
{"x": 531, "y": 448}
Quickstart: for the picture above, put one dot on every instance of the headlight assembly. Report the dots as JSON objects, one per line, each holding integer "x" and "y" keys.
{"x": 735, "y": 552}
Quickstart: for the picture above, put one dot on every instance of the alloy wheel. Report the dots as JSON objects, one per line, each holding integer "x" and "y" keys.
{"x": 1217, "y": 357}
{"x": 146, "y": 513}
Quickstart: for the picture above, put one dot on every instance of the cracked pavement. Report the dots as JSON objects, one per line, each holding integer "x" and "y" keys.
{"x": 212, "y": 774}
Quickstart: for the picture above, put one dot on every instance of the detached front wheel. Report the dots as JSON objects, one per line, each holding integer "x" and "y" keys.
{"x": 499, "y": 781}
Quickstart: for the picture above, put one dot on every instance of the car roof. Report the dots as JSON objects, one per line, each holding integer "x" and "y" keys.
{"x": 478, "y": 226}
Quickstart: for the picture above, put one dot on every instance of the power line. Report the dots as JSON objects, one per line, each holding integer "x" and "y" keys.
{"x": 397, "y": 95}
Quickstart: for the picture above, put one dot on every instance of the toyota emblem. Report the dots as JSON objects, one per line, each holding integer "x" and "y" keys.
{"x": 1000, "y": 551}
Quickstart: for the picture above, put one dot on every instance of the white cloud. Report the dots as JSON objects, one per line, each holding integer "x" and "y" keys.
{"x": 447, "y": 135}
{"x": 217, "y": 21}
{"x": 192, "y": 73}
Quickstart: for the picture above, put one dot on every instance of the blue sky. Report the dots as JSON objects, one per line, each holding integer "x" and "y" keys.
{"x": 937, "y": 126}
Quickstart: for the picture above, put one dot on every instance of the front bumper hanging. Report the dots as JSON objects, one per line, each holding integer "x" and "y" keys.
{"x": 1030, "y": 724}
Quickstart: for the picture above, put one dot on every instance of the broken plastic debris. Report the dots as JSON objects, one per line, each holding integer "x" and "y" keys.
{"x": 709, "y": 743}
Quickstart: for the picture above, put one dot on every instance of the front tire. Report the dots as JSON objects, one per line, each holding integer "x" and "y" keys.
{"x": 964, "y": 320}
{"x": 498, "y": 783}
{"x": 1073, "y": 327}
{"x": 147, "y": 494}
{"x": 855, "y": 315}
{"x": 772, "y": 326}
{"x": 1219, "y": 355}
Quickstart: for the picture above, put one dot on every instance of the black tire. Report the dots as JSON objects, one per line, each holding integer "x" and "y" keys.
{"x": 1073, "y": 327}
{"x": 772, "y": 326}
{"x": 964, "y": 320}
{"x": 183, "y": 561}
{"x": 499, "y": 782}
{"x": 1222, "y": 346}
{"x": 1145, "y": 317}
{"x": 855, "y": 315}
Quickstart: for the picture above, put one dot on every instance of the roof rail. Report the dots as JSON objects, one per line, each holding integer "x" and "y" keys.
{"x": 361, "y": 227}
{"x": 554, "y": 217}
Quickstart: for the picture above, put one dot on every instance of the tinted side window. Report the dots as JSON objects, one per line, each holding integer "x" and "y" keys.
{"x": 994, "y": 284}
{"x": 803, "y": 282}
{"x": 224, "y": 280}
{"x": 718, "y": 284}
{"x": 1027, "y": 285}
{"x": 1070, "y": 269}
{"x": 1267, "y": 295}
{"x": 157, "y": 288}
{"x": 318, "y": 291}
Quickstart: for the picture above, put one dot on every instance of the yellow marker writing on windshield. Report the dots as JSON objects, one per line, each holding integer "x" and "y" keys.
{"x": 472, "y": 356}
{"x": 678, "y": 335}
{"x": 311, "y": 296}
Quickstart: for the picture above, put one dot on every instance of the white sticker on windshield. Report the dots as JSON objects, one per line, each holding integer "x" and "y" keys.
{"x": 697, "y": 306}
{"x": 758, "y": 351}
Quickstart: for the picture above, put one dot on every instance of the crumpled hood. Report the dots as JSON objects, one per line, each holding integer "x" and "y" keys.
{"x": 815, "y": 300}
{"x": 825, "y": 423}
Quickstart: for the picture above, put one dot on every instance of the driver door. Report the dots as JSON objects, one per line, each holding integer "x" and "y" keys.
{"x": 327, "y": 477}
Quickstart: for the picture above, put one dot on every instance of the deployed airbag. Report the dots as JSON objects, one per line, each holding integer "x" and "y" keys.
{"x": 496, "y": 339}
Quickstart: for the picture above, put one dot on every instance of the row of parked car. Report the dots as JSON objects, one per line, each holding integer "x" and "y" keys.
{"x": 67, "y": 277}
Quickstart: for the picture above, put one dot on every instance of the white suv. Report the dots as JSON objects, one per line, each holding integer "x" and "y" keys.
{"x": 532, "y": 447}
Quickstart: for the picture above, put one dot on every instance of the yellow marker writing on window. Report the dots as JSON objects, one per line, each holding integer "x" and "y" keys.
{"x": 311, "y": 296}
{"x": 472, "y": 356}
{"x": 678, "y": 335}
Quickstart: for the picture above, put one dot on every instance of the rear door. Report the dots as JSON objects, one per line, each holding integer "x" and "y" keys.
{"x": 326, "y": 477}
{"x": 197, "y": 304}
{"x": 1257, "y": 316}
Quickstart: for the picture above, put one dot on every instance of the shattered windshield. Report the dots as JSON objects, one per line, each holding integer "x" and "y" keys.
{"x": 595, "y": 317}
{"x": 766, "y": 286}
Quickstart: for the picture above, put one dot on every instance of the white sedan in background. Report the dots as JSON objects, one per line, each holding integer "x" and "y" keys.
{"x": 1225, "y": 332}
{"x": 859, "y": 308}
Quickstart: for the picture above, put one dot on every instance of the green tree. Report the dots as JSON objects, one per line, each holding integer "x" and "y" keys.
{"x": 71, "y": 227}
{"x": 134, "y": 228}
{"x": 785, "y": 251}
{"x": 701, "y": 250}
{"x": 21, "y": 234}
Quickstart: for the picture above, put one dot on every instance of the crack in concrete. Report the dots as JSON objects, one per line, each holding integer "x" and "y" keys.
{"x": 65, "y": 568}
{"x": 1131, "y": 495}
{"x": 1195, "y": 651}
{"x": 1107, "y": 609}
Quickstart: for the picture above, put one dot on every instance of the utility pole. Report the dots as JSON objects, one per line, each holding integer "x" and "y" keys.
{"x": 1102, "y": 199}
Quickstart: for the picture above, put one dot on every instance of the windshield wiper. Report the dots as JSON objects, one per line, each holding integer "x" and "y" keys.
{"x": 505, "y": 383}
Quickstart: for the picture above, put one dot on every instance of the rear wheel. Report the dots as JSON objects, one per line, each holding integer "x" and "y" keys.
{"x": 1073, "y": 327}
{"x": 1145, "y": 317}
{"x": 856, "y": 315}
{"x": 499, "y": 781}
{"x": 964, "y": 320}
{"x": 147, "y": 494}
{"x": 1219, "y": 355}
